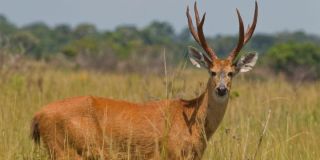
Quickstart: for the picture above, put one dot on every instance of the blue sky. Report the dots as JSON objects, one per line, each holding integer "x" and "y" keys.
{"x": 275, "y": 15}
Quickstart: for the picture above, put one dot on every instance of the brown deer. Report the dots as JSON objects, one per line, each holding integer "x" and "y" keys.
{"x": 93, "y": 127}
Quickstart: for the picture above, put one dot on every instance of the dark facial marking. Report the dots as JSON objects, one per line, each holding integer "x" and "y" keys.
{"x": 222, "y": 91}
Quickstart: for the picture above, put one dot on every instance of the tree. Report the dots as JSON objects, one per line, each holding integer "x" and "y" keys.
{"x": 158, "y": 33}
{"x": 296, "y": 60}
{"x": 124, "y": 40}
{"x": 24, "y": 41}
{"x": 63, "y": 29}
{"x": 82, "y": 46}
{"x": 223, "y": 45}
{"x": 6, "y": 27}
{"x": 39, "y": 29}
{"x": 84, "y": 29}
{"x": 47, "y": 42}
{"x": 62, "y": 34}
{"x": 261, "y": 42}
{"x": 184, "y": 36}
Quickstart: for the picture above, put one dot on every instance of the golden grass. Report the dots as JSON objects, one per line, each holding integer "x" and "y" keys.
{"x": 292, "y": 132}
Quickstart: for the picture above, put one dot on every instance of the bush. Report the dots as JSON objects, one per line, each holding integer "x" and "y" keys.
{"x": 297, "y": 60}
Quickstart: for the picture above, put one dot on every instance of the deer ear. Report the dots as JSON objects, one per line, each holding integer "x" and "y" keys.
{"x": 198, "y": 59}
{"x": 246, "y": 62}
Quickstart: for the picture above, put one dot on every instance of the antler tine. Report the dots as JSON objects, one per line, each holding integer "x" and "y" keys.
{"x": 196, "y": 14}
{"x": 251, "y": 28}
{"x": 248, "y": 34}
{"x": 240, "y": 44}
{"x": 191, "y": 28}
{"x": 202, "y": 39}
{"x": 199, "y": 36}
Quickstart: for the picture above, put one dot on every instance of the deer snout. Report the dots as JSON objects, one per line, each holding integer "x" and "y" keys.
{"x": 222, "y": 90}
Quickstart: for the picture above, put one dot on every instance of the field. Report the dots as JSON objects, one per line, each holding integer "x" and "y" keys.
{"x": 266, "y": 118}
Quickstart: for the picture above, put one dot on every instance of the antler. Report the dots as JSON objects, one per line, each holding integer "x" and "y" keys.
{"x": 244, "y": 38}
{"x": 199, "y": 36}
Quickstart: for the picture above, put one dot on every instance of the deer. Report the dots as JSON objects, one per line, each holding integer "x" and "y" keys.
{"x": 90, "y": 127}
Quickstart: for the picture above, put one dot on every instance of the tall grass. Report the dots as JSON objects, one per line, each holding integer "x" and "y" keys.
{"x": 292, "y": 112}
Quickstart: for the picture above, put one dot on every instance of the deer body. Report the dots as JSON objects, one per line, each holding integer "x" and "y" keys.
{"x": 93, "y": 127}
{"x": 89, "y": 125}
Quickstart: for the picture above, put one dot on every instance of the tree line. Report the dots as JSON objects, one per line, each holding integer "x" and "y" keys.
{"x": 134, "y": 48}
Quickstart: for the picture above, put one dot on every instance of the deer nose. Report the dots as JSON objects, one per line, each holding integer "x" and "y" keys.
{"x": 222, "y": 90}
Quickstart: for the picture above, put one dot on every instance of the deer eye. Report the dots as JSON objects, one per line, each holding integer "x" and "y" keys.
{"x": 230, "y": 74}
{"x": 213, "y": 73}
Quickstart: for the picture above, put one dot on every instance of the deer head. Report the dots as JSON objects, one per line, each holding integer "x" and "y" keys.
{"x": 221, "y": 70}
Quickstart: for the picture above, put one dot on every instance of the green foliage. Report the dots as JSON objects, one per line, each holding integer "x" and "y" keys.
{"x": 223, "y": 44}
{"x": 62, "y": 34}
{"x": 295, "y": 54}
{"x": 287, "y": 52}
{"x": 84, "y": 29}
{"x": 86, "y": 45}
{"x": 25, "y": 41}
{"x": 124, "y": 40}
{"x": 295, "y": 58}
{"x": 158, "y": 33}
{"x": 262, "y": 42}
{"x": 184, "y": 35}
{"x": 6, "y": 27}
{"x": 46, "y": 38}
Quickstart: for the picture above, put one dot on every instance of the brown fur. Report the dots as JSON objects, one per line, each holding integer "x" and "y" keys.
{"x": 92, "y": 126}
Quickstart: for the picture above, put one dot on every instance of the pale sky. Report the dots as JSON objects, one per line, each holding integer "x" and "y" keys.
{"x": 274, "y": 15}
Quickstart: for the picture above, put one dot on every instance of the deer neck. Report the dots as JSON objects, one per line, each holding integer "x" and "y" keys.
{"x": 206, "y": 111}
{"x": 214, "y": 108}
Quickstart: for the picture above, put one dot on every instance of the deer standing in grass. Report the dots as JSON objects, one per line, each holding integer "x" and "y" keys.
{"x": 93, "y": 127}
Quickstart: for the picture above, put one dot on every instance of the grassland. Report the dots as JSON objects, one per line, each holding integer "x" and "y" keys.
{"x": 266, "y": 119}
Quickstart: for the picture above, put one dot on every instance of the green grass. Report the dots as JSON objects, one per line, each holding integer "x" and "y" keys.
{"x": 292, "y": 131}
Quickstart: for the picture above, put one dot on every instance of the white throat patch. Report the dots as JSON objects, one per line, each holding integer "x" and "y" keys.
{"x": 220, "y": 99}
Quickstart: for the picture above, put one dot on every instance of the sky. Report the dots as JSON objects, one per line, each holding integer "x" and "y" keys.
{"x": 274, "y": 15}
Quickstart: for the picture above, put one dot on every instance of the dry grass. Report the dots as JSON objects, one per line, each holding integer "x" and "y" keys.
{"x": 292, "y": 131}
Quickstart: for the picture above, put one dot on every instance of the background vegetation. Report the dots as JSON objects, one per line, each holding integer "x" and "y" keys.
{"x": 273, "y": 113}
{"x": 127, "y": 48}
